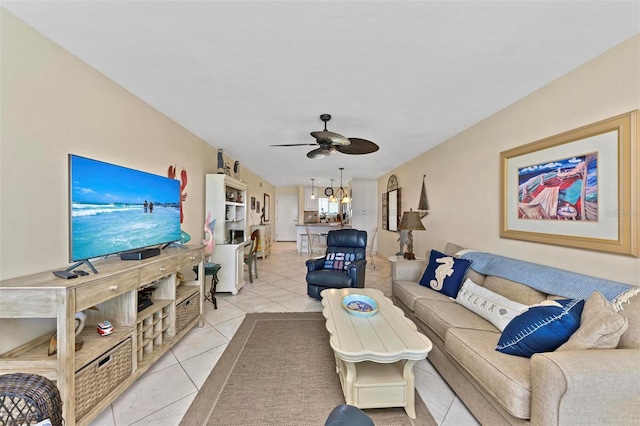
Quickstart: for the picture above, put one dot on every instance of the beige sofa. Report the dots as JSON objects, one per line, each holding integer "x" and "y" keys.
{"x": 599, "y": 386}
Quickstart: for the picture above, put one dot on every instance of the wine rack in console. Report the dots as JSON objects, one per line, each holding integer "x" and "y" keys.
{"x": 91, "y": 370}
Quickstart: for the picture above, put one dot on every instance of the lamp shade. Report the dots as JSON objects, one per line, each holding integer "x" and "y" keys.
{"x": 411, "y": 222}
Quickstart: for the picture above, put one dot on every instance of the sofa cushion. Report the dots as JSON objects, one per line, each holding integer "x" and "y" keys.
{"x": 507, "y": 378}
{"x": 600, "y": 326}
{"x": 452, "y": 250}
{"x": 630, "y": 339}
{"x": 444, "y": 273}
{"x": 496, "y": 309}
{"x": 541, "y": 328}
{"x": 513, "y": 290}
{"x": 441, "y": 316}
{"x": 409, "y": 291}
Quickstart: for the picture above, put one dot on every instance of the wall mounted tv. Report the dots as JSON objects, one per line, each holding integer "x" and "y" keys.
{"x": 114, "y": 209}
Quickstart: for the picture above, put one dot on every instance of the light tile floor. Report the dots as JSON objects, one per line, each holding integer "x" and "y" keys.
{"x": 163, "y": 394}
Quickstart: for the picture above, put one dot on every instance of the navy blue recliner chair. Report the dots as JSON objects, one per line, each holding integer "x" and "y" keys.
{"x": 343, "y": 266}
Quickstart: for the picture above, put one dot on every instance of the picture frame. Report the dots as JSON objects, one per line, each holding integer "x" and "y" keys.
{"x": 258, "y": 206}
{"x": 391, "y": 205}
{"x": 576, "y": 189}
{"x": 253, "y": 203}
{"x": 266, "y": 207}
{"x": 385, "y": 211}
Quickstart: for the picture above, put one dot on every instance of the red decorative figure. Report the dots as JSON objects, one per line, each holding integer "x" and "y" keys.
{"x": 183, "y": 184}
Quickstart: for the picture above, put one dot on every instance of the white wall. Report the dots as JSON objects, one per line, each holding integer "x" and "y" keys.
{"x": 462, "y": 174}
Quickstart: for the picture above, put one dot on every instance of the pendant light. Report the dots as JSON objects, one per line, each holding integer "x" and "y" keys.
{"x": 332, "y": 198}
{"x": 344, "y": 197}
{"x": 313, "y": 195}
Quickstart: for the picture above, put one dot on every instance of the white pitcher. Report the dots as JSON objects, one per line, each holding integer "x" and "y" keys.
{"x": 81, "y": 318}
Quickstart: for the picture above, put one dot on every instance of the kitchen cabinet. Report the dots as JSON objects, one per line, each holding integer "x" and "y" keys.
{"x": 310, "y": 204}
{"x": 364, "y": 206}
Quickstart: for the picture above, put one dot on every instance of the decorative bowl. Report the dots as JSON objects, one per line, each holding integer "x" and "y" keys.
{"x": 360, "y": 305}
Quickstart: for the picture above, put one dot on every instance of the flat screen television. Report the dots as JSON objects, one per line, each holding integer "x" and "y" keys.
{"x": 114, "y": 209}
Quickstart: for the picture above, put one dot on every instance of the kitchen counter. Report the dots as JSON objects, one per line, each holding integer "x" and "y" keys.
{"x": 330, "y": 224}
{"x": 316, "y": 228}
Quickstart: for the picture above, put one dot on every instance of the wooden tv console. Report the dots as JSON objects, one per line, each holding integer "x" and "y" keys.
{"x": 90, "y": 379}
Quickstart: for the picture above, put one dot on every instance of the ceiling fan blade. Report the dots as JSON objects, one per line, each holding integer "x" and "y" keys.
{"x": 330, "y": 137}
{"x": 321, "y": 152}
{"x": 358, "y": 146}
{"x": 296, "y": 144}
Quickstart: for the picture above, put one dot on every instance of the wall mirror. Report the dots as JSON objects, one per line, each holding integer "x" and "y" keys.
{"x": 394, "y": 210}
{"x": 266, "y": 207}
{"x": 391, "y": 205}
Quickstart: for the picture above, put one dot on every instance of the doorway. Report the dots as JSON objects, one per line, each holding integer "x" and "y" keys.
{"x": 286, "y": 217}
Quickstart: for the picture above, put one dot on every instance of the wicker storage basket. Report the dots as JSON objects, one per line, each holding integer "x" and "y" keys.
{"x": 96, "y": 380}
{"x": 28, "y": 399}
{"x": 187, "y": 311}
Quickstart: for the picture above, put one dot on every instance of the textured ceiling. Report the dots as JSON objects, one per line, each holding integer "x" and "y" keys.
{"x": 407, "y": 75}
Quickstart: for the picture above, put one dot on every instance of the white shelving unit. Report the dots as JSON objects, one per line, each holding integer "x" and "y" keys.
{"x": 226, "y": 199}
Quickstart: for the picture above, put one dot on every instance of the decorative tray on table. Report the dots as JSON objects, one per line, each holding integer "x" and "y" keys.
{"x": 360, "y": 305}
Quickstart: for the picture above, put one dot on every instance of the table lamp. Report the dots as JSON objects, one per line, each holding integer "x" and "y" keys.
{"x": 411, "y": 222}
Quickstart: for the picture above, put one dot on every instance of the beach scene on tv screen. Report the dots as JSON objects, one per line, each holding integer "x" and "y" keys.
{"x": 116, "y": 209}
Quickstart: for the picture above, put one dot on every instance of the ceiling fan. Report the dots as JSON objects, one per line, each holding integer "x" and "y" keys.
{"x": 331, "y": 142}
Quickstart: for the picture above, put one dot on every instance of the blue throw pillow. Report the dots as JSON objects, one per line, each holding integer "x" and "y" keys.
{"x": 542, "y": 328}
{"x": 338, "y": 260}
{"x": 445, "y": 273}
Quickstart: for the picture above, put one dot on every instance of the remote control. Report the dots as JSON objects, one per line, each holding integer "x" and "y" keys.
{"x": 65, "y": 274}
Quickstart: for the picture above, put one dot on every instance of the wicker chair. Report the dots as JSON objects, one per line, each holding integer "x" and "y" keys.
{"x": 28, "y": 399}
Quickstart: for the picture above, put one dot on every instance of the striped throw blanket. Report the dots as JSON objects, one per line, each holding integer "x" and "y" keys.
{"x": 550, "y": 280}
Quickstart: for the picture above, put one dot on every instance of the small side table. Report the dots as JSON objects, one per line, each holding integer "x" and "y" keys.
{"x": 394, "y": 259}
{"x": 212, "y": 269}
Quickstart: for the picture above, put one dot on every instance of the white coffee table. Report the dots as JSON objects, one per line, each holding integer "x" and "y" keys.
{"x": 374, "y": 355}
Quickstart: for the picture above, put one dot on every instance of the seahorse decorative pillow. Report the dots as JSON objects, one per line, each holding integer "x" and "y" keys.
{"x": 445, "y": 273}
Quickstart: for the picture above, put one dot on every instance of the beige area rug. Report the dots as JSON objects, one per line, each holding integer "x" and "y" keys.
{"x": 280, "y": 370}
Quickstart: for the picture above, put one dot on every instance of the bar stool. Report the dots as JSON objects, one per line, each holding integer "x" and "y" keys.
{"x": 304, "y": 242}
{"x": 313, "y": 240}
{"x": 212, "y": 269}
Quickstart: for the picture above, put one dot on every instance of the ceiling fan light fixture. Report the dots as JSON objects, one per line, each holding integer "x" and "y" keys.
{"x": 330, "y": 142}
